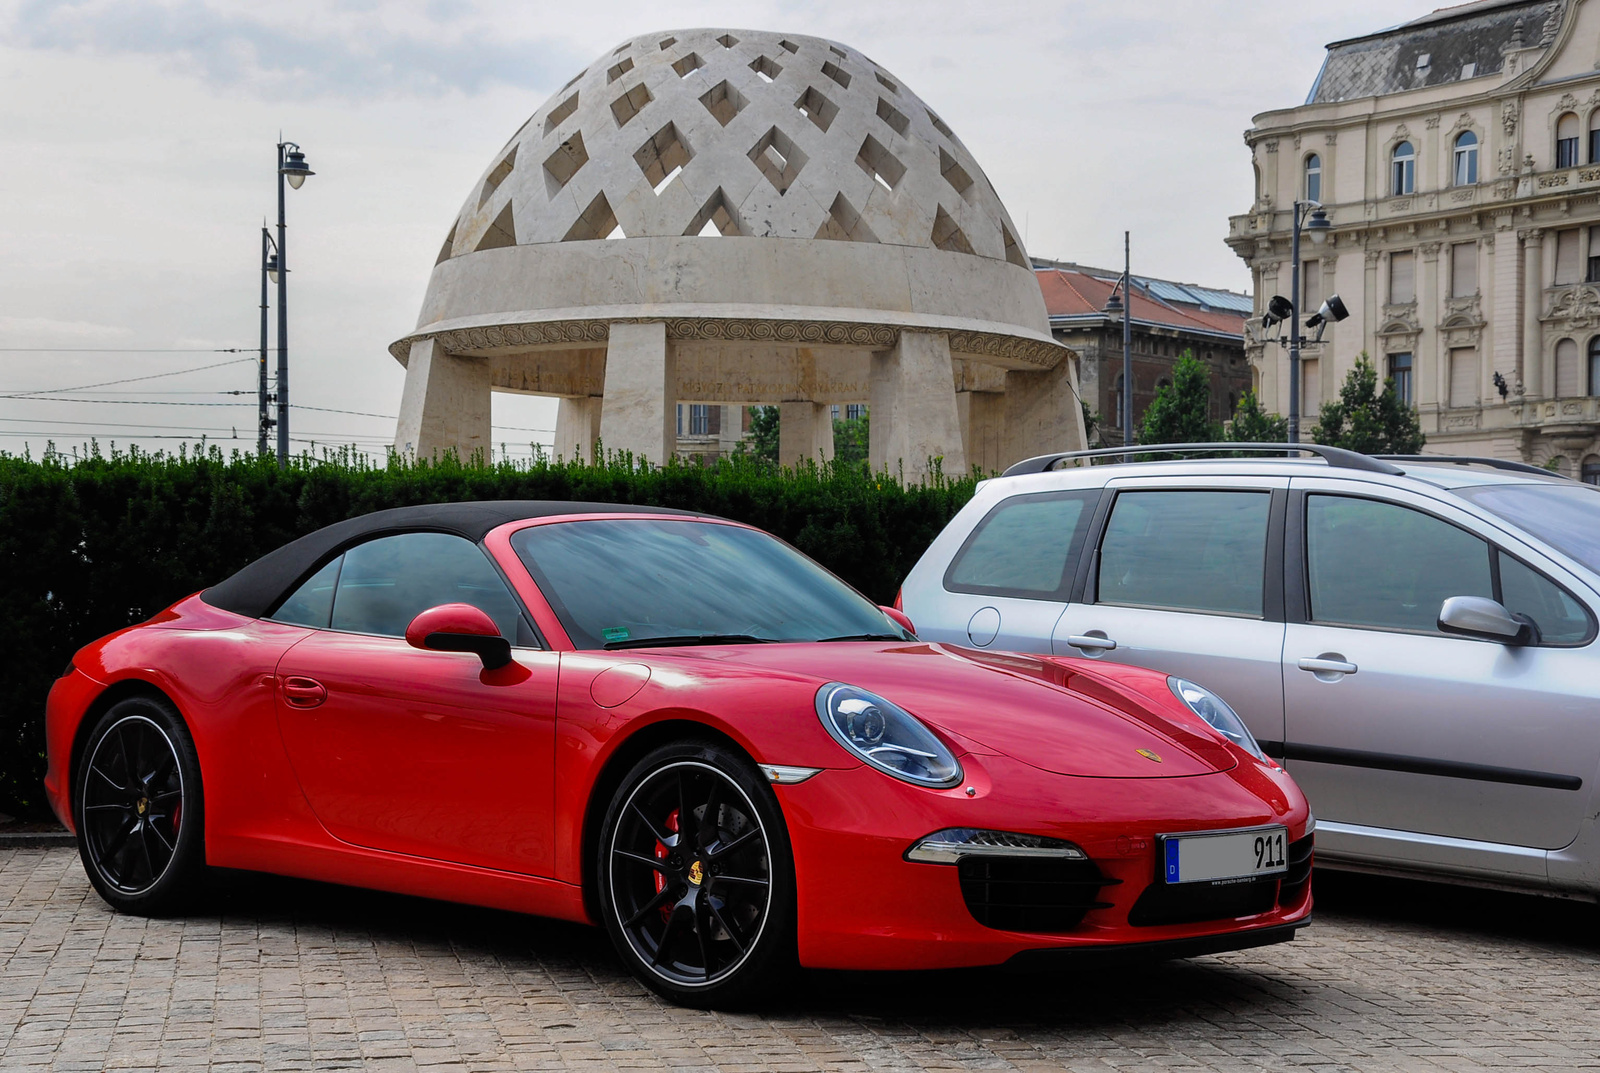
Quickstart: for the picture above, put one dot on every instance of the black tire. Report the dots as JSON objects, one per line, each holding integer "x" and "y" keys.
{"x": 140, "y": 809}
{"x": 710, "y": 922}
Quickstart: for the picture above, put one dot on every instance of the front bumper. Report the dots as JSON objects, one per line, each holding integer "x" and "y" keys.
{"x": 861, "y": 905}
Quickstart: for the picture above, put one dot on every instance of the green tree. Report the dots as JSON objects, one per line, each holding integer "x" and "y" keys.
{"x": 1252, "y": 424}
{"x": 1366, "y": 420}
{"x": 763, "y": 438}
{"x": 1091, "y": 426}
{"x": 850, "y": 438}
{"x": 1181, "y": 410}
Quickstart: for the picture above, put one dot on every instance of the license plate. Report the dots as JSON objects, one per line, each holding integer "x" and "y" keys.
{"x": 1224, "y": 854}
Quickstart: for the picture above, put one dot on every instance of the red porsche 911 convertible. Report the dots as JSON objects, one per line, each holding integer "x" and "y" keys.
{"x": 675, "y": 726}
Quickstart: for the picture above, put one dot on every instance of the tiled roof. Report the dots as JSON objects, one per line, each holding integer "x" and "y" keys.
{"x": 1073, "y": 293}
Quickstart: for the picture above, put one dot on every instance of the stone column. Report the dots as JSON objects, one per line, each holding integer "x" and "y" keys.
{"x": 1431, "y": 354}
{"x": 913, "y": 404}
{"x": 983, "y": 420}
{"x": 1499, "y": 305}
{"x": 445, "y": 404}
{"x": 577, "y": 428}
{"x": 1042, "y": 413}
{"x": 805, "y": 431}
{"x": 1539, "y": 376}
{"x": 638, "y": 412}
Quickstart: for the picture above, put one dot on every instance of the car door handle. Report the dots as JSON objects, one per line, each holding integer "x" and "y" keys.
{"x": 303, "y": 692}
{"x": 1092, "y": 641}
{"x": 1324, "y": 665}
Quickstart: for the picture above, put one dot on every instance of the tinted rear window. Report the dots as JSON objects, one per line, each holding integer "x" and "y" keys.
{"x": 1024, "y": 546}
{"x": 1186, "y": 551}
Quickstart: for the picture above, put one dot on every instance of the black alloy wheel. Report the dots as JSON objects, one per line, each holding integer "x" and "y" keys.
{"x": 696, "y": 877}
{"x": 138, "y": 808}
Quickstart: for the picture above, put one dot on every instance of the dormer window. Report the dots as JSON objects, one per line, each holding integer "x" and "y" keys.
{"x": 1313, "y": 178}
{"x": 1466, "y": 159}
{"x": 1403, "y": 170}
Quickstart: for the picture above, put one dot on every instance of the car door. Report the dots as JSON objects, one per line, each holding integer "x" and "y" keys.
{"x": 1412, "y": 744}
{"x": 1183, "y": 578}
{"x": 416, "y": 751}
{"x": 1007, "y": 583}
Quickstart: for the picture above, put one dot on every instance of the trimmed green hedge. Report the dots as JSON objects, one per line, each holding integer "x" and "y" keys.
{"x": 92, "y": 547}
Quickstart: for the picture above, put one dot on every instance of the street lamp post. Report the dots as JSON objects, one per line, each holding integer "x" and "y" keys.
{"x": 291, "y": 167}
{"x": 1319, "y": 227}
{"x": 269, "y": 271}
{"x": 1123, "y": 308}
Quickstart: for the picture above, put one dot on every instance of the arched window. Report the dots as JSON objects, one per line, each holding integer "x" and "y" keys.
{"x": 1313, "y": 178}
{"x": 1466, "y": 162}
{"x": 1403, "y": 170}
{"x": 1594, "y": 366}
{"x": 1569, "y": 378}
{"x": 1567, "y": 140}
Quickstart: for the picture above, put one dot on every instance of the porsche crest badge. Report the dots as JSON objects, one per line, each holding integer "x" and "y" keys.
{"x": 1148, "y": 755}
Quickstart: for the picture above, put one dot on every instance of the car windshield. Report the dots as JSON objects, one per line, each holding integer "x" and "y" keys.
{"x": 1565, "y": 516}
{"x": 619, "y": 583}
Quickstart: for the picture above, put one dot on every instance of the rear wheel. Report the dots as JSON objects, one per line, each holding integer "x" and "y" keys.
{"x": 697, "y": 878}
{"x": 139, "y": 809}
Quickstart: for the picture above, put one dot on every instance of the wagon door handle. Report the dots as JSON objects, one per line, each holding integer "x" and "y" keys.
{"x": 303, "y": 692}
{"x": 1329, "y": 663}
{"x": 1094, "y": 640}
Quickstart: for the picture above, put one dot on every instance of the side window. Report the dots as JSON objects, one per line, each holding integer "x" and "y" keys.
{"x": 1186, "y": 551}
{"x": 312, "y": 603}
{"x": 387, "y": 582}
{"x": 1387, "y": 566}
{"x": 1560, "y": 618}
{"x": 1024, "y": 546}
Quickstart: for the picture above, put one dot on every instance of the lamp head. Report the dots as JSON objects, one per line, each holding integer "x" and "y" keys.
{"x": 1114, "y": 306}
{"x": 272, "y": 266}
{"x": 295, "y": 168}
{"x": 1319, "y": 225}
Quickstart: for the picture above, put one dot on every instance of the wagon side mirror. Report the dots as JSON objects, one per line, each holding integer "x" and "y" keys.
{"x": 1485, "y": 619}
{"x": 900, "y": 618}
{"x": 460, "y": 628}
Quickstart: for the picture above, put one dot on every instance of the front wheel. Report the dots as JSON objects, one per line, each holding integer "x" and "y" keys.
{"x": 139, "y": 808}
{"x": 696, "y": 877}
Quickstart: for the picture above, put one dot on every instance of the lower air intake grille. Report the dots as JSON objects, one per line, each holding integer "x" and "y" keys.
{"x": 1189, "y": 903}
{"x": 1030, "y": 893}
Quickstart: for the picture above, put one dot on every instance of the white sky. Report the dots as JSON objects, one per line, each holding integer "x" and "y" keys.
{"x": 137, "y": 162}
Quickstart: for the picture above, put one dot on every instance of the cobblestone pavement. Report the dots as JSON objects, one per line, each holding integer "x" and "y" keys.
{"x": 284, "y": 975}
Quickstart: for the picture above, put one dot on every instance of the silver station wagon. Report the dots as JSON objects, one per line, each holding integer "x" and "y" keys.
{"x": 1413, "y": 637}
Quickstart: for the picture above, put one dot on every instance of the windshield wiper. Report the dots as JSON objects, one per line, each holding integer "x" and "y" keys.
{"x": 863, "y": 637}
{"x": 685, "y": 639}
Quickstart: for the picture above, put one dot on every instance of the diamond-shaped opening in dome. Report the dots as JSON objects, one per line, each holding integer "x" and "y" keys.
{"x": 573, "y": 80}
{"x": 563, "y": 164}
{"x": 938, "y": 125}
{"x": 1013, "y": 248}
{"x": 620, "y": 49}
{"x": 619, "y": 70}
{"x": 503, "y": 232}
{"x": 955, "y": 174}
{"x": 724, "y": 101}
{"x": 663, "y": 156}
{"x": 497, "y": 176}
{"x": 836, "y": 50}
{"x": 727, "y": 40}
{"x": 833, "y": 71}
{"x": 688, "y": 65}
{"x": 765, "y": 68}
{"x": 886, "y": 83}
{"x": 779, "y": 159}
{"x": 597, "y": 221}
{"x": 817, "y": 108}
{"x": 789, "y": 46}
{"x": 947, "y": 236}
{"x": 558, "y": 115}
{"x": 894, "y": 117}
{"x": 667, "y": 42}
{"x": 449, "y": 244}
{"x": 845, "y": 224}
{"x": 879, "y": 163}
{"x": 716, "y": 219}
{"x": 630, "y": 104}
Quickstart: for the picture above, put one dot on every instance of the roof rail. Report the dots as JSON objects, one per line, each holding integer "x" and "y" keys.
{"x": 1473, "y": 460}
{"x": 1336, "y": 457}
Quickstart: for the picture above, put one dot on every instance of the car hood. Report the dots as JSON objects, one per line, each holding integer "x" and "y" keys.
{"x": 1052, "y": 714}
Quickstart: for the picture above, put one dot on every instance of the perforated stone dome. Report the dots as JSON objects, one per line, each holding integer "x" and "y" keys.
{"x": 781, "y": 209}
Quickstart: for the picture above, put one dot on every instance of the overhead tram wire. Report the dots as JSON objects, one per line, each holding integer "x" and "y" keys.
{"x": 125, "y": 380}
{"x": 123, "y": 350}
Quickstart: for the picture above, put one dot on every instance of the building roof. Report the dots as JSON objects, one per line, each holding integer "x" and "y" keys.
{"x": 1076, "y": 294}
{"x": 1451, "y": 44}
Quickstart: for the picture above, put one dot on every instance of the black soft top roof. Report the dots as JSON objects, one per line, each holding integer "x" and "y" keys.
{"x": 260, "y": 586}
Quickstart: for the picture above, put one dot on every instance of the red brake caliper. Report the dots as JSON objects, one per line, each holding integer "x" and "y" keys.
{"x": 661, "y": 854}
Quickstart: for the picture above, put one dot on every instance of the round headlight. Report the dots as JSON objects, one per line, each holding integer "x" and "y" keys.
{"x": 1214, "y": 710}
{"x": 886, "y": 736}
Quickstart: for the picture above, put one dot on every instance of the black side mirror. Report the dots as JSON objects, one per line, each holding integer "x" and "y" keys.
{"x": 1485, "y": 619}
{"x": 460, "y": 628}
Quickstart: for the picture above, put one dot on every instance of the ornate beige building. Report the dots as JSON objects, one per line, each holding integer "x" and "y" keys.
{"x": 1458, "y": 156}
{"x": 706, "y": 219}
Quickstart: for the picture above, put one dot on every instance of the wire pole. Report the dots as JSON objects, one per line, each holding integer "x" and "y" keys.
{"x": 1127, "y": 344}
{"x": 283, "y": 322}
{"x": 265, "y": 421}
{"x": 1294, "y": 329}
